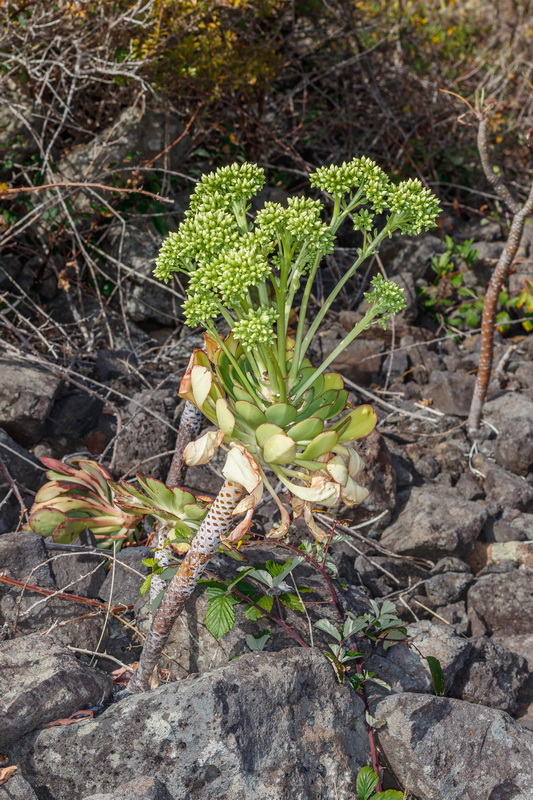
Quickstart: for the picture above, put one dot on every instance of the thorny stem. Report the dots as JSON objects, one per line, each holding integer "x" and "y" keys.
{"x": 371, "y": 731}
{"x": 203, "y": 547}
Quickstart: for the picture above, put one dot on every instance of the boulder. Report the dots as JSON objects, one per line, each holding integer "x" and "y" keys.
{"x": 23, "y": 557}
{"x": 23, "y": 468}
{"x": 137, "y": 789}
{"x": 444, "y": 749}
{"x": 147, "y": 430}
{"x": 41, "y": 682}
{"x": 267, "y": 725}
{"x": 476, "y": 670}
{"x": 506, "y": 490}
{"x": 434, "y": 523}
{"x": 502, "y": 602}
{"x": 17, "y": 788}
{"x": 512, "y": 415}
{"x": 27, "y": 394}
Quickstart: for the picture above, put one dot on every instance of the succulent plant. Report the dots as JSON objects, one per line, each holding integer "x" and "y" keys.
{"x": 297, "y": 440}
{"x": 79, "y": 497}
{"x": 85, "y": 496}
{"x": 179, "y": 511}
{"x": 271, "y": 406}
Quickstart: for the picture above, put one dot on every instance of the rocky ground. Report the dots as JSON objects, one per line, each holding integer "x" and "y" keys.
{"x": 446, "y": 534}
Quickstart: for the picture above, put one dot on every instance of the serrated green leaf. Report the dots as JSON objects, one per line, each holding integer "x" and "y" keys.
{"x": 292, "y": 601}
{"x": 389, "y": 794}
{"x": 257, "y": 643}
{"x": 437, "y": 675}
{"x": 264, "y": 601}
{"x": 220, "y": 616}
{"x": 367, "y": 780}
{"x": 326, "y": 626}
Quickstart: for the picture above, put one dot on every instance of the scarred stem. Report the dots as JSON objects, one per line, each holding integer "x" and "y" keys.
{"x": 503, "y": 267}
{"x": 203, "y": 547}
{"x": 190, "y": 423}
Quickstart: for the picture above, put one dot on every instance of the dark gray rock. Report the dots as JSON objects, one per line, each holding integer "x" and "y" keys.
{"x": 451, "y": 392}
{"x": 82, "y": 573}
{"x": 512, "y": 415}
{"x": 17, "y": 789}
{"x": 27, "y": 394}
{"x": 450, "y": 564}
{"x": 112, "y": 364}
{"x": 519, "y": 643}
{"x": 444, "y": 749}
{"x": 423, "y": 359}
{"x": 379, "y": 478}
{"x": 28, "y": 473}
{"x": 148, "y": 430}
{"x": 134, "y": 250}
{"x": 469, "y": 487}
{"x": 137, "y": 789}
{"x": 23, "y": 556}
{"x": 435, "y": 523}
{"x": 456, "y": 615}
{"x": 449, "y": 587}
{"x": 502, "y": 602}
{"x": 72, "y": 416}
{"x": 476, "y": 670}
{"x": 427, "y": 466}
{"x": 493, "y": 677}
{"x": 269, "y": 726}
{"x": 42, "y": 682}
{"x": 506, "y": 490}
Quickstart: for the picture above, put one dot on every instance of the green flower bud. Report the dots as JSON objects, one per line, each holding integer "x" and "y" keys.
{"x": 256, "y": 327}
{"x": 416, "y": 206}
{"x": 386, "y": 297}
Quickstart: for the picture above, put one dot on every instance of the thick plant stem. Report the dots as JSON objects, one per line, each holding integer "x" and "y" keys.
{"x": 190, "y": 423}
{"x": 203, "y": 547}
{"x": 490, "y": 305}
{"x": 503, "y": 267}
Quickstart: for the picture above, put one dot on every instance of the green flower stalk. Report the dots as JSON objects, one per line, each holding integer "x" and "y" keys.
{"x": 276, "y": 412}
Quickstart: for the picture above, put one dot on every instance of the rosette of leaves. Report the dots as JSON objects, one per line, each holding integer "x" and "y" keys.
{"x": 79, "y": 497}
{"x": 179, "y": 511}
{"x": 297, "y": 440}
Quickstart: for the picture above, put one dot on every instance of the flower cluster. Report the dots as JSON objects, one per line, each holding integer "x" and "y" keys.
{"x": 256, "y": 327}
{"x": 236, "y": 183}
{"x": 360, "y": 175}
{"x": 300, "y": 220}
{"x": 386, "y": 297}
{"x": 199, "y": 240}
{"x": 231, "y": 273}
{"x": 416, "y": 206}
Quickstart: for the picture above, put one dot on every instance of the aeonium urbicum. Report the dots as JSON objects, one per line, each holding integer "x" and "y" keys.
{"x": 275, "y": 410}
{"x": 257, "y": 385}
